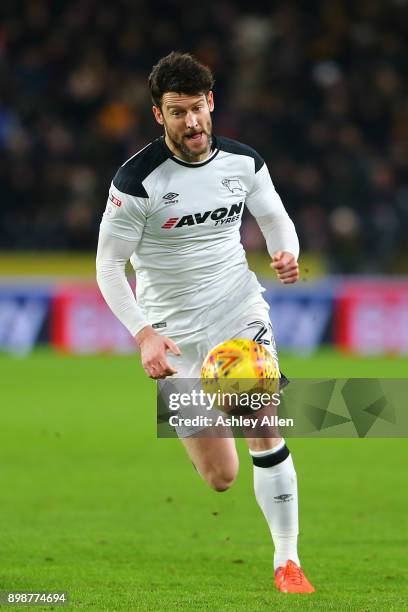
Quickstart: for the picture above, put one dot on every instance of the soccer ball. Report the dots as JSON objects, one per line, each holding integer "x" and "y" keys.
{"x": 240, "y": 366}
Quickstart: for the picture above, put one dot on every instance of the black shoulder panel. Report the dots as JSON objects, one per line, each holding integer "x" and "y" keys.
{"x": 233, "y": 146}
{"x": 129, "y": 178}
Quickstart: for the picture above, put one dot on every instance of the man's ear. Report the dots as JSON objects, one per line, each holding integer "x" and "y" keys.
{"x": 210, "y": 100}
{"x": 158, "y": 115}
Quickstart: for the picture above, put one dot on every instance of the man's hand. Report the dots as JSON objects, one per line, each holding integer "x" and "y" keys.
{"x": 153, "y": 347}
{"x": 286, "y": 267}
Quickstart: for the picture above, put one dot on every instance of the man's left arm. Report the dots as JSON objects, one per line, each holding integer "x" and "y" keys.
{"x": 265, "y": 205}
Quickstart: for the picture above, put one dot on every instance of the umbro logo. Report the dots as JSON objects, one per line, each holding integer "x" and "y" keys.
{"x": 285, "y": 497}
{"x": 170, "y": 196}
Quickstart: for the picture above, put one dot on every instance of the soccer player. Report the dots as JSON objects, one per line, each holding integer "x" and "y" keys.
{"x": 174, "y": 209}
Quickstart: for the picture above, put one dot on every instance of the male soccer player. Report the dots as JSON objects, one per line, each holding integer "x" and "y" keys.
{"x": 174, "y": 209}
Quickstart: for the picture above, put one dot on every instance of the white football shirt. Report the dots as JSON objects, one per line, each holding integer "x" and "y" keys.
{"x": 179, "y": 223}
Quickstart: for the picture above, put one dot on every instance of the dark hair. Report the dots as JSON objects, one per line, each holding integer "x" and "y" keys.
{"x": 180, "y": 73}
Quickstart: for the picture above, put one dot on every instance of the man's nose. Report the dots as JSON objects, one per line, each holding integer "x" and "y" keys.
{"x": 191, "y": 120}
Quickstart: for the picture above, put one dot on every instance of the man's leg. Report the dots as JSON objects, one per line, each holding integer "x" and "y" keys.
{"x": 215, "y": 458}
{"x": 274, "y": 475}
{"x": 275, "y": 486}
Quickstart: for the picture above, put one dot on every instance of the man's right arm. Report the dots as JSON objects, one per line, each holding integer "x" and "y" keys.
{"x": 112, "y": 255}
{"x": 120, "y": 232}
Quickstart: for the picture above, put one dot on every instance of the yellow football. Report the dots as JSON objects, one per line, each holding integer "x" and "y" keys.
{"x": 240, "y": 365}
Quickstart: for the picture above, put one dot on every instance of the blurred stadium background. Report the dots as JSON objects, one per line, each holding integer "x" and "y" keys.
{"x": 319, "y": 88}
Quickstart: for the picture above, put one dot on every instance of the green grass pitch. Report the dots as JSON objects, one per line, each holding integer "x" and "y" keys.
{"x": 92, "y": 503}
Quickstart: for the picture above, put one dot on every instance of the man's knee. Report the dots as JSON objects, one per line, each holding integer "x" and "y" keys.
{"x": 220, "y": 479}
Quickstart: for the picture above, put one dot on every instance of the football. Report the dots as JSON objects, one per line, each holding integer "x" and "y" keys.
{"x": 240, "y": 366}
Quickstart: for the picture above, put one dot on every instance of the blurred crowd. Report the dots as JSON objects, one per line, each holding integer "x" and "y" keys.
{"x": 319, "y": 88}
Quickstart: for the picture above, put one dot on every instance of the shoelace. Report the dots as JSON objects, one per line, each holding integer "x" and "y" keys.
{"x": 294, "y": 574}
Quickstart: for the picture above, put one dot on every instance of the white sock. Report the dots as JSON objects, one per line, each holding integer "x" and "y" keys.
{"x": 276, "y": 493}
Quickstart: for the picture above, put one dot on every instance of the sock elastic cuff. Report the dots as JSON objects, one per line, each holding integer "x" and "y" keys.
{"x": 272, "y": 458}
{"x": 265, "y": 453}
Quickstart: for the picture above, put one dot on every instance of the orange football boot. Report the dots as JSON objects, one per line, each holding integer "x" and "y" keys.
{"x": 291, "y": 579}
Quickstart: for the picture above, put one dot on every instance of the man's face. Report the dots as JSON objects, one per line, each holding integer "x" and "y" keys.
{"x": 187, "y": 123}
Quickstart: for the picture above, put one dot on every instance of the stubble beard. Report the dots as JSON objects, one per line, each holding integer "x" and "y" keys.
{"x": 187, "y": 153}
